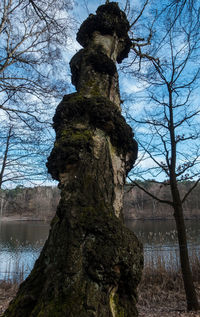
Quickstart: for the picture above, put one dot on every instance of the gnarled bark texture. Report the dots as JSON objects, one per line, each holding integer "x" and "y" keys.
{"x": 91, "y": 263}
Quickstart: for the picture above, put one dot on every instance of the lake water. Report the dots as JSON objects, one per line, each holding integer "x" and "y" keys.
{"x": 21, "y": 243}
{"x": 159, "y": 238}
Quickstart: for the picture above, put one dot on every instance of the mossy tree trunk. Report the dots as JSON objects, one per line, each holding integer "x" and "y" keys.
{"x": 91, "y": 263}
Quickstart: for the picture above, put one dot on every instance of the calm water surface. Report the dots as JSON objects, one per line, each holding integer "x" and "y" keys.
{"x": 22, "y": 241}
{"x": 163, "y": 232}
{"x": 159, "y": 238}
{"x": 20, "y": 245}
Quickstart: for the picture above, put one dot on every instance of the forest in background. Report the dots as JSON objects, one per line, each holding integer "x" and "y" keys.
{"x": 41, "y": 202}
{"x": 139, "y": 205}
{"x": 37, "y": 203}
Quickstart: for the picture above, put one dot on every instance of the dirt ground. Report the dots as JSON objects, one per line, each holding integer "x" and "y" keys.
{"x": 156, "y": 303}
{"x": 7, "y": 292}
{"x": 163, "y": 313}
{"x": 166, "y": 309}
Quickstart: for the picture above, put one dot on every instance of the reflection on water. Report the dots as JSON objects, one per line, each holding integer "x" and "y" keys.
{"x": 158, "y": 232}
{"x": 22, "y": 241}
{"x": 20, "y": 245}
{"x": 159, "y": 238}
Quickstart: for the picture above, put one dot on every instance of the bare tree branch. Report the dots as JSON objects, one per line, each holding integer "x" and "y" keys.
{"x": 168, "y": 202}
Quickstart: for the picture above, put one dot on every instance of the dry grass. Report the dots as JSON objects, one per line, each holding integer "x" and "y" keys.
{"x": 160, "y": 294}
{"x": 161, "y": 291}
{"x": 8, "y": 290}
{"x": 10, "y": 284}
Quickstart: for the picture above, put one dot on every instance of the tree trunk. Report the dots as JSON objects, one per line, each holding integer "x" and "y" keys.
{"x": 191, "y": 297}
{"x": 91, "y": 263}
{"x": 2, "y": 203}
{"x": 5, "y": 156}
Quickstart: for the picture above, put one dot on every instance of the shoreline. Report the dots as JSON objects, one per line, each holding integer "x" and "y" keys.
{"x": 159, "y": 218}
{"x": 126, "y": 219}
{"x": 21, "y": 218}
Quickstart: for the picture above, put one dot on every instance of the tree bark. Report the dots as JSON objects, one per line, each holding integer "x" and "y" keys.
{"x": 5, "y": 156}
{"x": 191, "y": 297}
{"x": 91, "y": 263}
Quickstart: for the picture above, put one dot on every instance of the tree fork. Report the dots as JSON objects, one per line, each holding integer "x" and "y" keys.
{"x": 91, "y": 263}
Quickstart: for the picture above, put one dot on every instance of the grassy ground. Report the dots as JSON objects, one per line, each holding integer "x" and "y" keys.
{"x": 160, "y": 294}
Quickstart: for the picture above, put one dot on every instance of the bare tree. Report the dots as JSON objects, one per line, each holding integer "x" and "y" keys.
{"x": 33, "y": 37}
{"x": 22, "y": 154}
{"x": 168, "y": 129}
{"x": 33, "y": 34}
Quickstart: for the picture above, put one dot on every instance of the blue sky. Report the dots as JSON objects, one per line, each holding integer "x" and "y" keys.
{"x": 130, "y": 85}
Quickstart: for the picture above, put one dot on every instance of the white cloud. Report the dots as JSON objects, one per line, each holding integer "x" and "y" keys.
{"x": 3, "y": 115}
{"x": 131, "y": 85}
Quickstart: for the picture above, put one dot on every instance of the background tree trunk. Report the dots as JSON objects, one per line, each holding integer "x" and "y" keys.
{"x": 191, "y": 296}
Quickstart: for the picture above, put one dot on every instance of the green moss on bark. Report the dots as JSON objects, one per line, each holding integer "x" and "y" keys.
{"x": 108, "y": 20}
{"x": 96, "y": 112}
{"x": 89, "y": 252}
{"x": 95, "y": 60}
{"x": 69, "y": 145}
{"x": 80, "y": 274}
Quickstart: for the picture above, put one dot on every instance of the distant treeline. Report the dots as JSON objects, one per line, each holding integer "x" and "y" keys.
{"x": 41, "y": 202}
{"x": 32, "y": 203}
{"x": 139, "y": 205}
